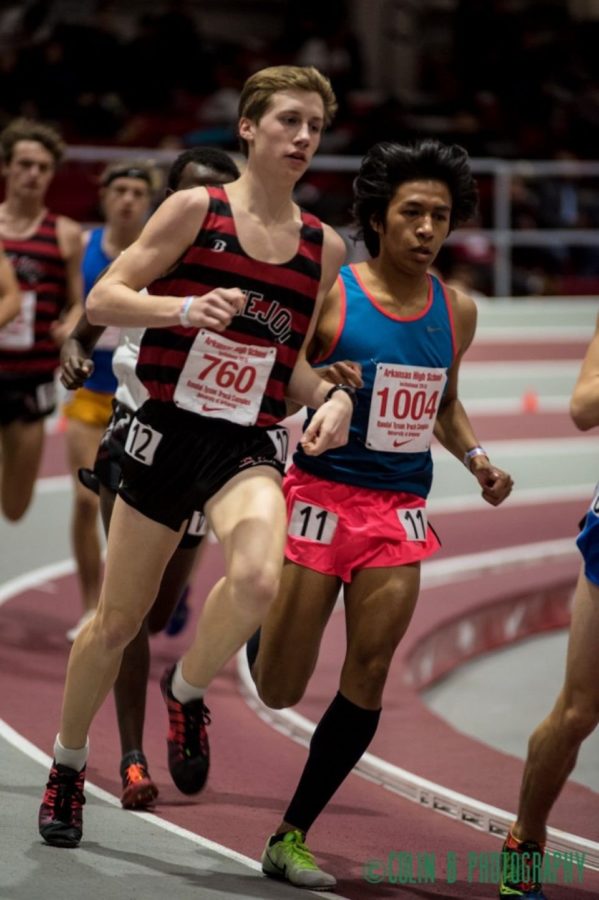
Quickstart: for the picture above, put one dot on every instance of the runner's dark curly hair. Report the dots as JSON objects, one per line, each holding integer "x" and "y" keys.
{"x": 387, "y": 165}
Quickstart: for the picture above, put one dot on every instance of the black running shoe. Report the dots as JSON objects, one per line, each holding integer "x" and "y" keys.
{"x": 187, "y": 740}
{"x": 60, "y": 816}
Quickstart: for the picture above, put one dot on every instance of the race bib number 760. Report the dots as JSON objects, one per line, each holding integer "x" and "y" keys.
{"x": 222, "y": 378}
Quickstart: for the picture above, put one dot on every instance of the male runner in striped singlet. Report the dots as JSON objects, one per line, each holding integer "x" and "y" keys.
{"x": 127, "y": 189}
{"x": 45, "y": 251}
{"x": 192, "y": 168}
{"x": 10, "y": 295}
{"x": 224, "y": 346}
{"x": 357, "y": 513}
{"x": 553, "y": 746}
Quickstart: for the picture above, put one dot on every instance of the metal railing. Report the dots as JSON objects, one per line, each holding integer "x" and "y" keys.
{"x": 501, "y": 236}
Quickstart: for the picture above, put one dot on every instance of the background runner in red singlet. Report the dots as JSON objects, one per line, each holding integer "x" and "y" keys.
{"x": 45, "y": 251}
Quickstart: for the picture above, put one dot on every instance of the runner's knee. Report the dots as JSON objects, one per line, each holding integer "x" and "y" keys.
{"x": 254, "y": 584}
{"x": 368, "y": 670}
{"x": 580, "y": 718}
{"x": 277, "y": 695}
{"x": 116, "y": 628}
{"x": 14, "y": 507}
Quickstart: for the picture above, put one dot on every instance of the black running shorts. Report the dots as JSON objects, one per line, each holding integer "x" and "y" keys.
{"x": 26, "y": 399}
{"x": 175, "y": 460}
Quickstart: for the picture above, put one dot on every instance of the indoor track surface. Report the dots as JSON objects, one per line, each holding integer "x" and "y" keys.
{"x": 426, "y": 795}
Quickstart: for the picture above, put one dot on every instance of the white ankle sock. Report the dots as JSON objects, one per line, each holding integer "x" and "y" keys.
{"x": 74, "y": 759}
{"x": 182, "y": 690}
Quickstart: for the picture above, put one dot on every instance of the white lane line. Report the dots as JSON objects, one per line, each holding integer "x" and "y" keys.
{"x": 52, "y": 484}
{"x": 510, "y": 368}
{"x": 438, "y": 572}
{"x": 468, "y": 810}
{"x": 35, "y": 579}
{"x": 34, "y": 753}
{"x": 539, "y": 496}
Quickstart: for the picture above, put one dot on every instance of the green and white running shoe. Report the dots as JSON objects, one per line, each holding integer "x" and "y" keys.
{"x": 290, "y": 860}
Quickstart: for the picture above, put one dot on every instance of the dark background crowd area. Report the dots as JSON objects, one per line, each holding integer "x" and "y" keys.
{"x": 507, "y": 79}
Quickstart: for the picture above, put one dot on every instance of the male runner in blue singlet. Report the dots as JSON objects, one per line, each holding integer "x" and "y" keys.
{"x": 357, "y": 514}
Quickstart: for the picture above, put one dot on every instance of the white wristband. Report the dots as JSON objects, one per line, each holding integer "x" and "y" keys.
{"x": 184, "y": 312}
{"x": 470, "y": 454}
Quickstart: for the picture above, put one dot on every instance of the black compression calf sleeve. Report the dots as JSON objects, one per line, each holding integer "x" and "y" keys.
{"x": 341, "y": 737}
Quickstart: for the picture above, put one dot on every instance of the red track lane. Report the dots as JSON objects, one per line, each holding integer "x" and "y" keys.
{"x": 516, "y": 350}
{"x": 527, "y": 425}
{"x": 255, "y": 768}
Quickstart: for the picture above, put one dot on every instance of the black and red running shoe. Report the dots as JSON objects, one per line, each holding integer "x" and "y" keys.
{"x": 187, "y": 740}
{"x": 139, "y": 791}
{"x": 60, "y": 816}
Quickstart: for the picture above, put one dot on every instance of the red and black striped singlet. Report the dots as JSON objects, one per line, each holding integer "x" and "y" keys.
{"x": 41, "y": 273}
{"x": 279, "y": 304}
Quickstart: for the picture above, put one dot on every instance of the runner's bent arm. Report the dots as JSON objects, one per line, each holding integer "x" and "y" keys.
{"x": 330, "y": 424}
{"x": 584, "y": 405}
{"x": 305, "y": 386}
{"x": 341, "y": 372}
{"x": 75, "y": 354}
{"x": 70, "y": 240}
{"x": 115, "y": 298}
{"x": 76, "y": 363}
{"x": 453, "y": 428}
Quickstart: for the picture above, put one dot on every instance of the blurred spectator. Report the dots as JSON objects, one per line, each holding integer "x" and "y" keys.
{"x": 506, "y": 79}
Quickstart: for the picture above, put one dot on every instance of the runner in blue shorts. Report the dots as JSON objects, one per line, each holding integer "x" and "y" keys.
{"x": 357, "y": 514}
{"x": 553, "y": 746}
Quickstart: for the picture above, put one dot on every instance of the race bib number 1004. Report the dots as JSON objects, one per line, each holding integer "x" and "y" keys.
{"x": 224, "y": 379}
{"x": 403, "y": 409}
